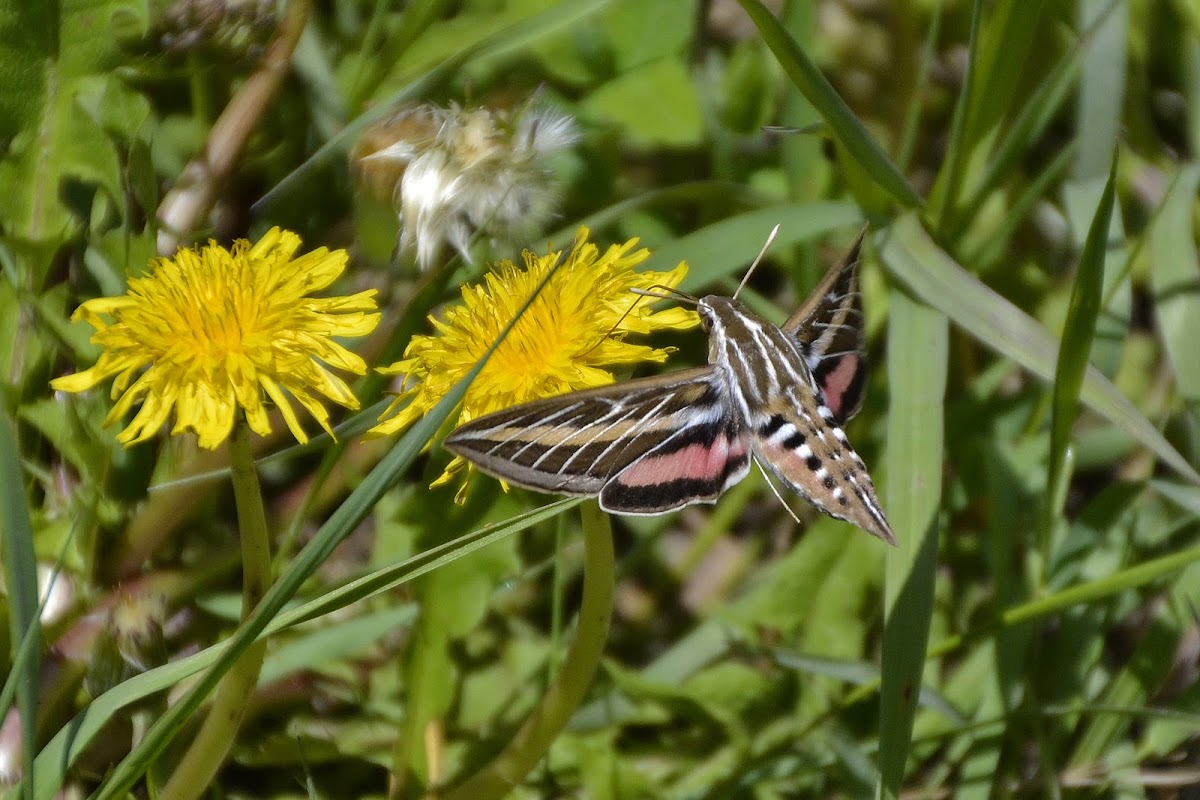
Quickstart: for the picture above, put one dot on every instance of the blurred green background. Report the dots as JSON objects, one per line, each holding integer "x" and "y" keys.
{"x": 1036, "y": 632}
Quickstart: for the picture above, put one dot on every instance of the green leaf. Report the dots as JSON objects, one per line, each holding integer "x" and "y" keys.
{"x": 1105, "y": 23}
{"x": 62, "y": 63}
{"x": 642, "y": 31}
{"x": 842, "y": 123}
{"x": 21, "y": 583}
{"x": 1175, "y": 276}
{"x": 1075, "y": 349}
{"x": 655, "y": 105}
{"x": 932, "y": 275}
{"x": 862, "y": 673}
{"x": 918, "y": 350}
{"x": 727, "y": 246}
{"x": 1005, "y": 41}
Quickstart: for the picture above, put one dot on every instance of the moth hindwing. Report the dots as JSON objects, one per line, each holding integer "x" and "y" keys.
{"x": 775, "y": 395}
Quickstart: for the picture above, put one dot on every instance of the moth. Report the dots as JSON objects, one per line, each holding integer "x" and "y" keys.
{"x": 778, "y": 396}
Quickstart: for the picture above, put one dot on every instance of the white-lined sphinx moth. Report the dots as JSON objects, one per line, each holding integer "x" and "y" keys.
{"x": 778, "y": 395}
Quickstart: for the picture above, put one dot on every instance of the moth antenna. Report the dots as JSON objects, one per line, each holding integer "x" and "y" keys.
{"x": 761, "y": 253}
{"x": 775, "y": 491}
{"x": 666, "y": 293}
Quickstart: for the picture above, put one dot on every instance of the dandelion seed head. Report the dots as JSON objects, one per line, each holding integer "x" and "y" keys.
{"x": 465, "y": 171}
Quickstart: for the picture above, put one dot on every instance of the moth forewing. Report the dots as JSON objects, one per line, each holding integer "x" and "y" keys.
{"x": 578, "y": 442}
{"x": 831, "y": 330}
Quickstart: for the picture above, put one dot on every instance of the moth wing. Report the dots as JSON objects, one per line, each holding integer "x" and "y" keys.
{"x": 830, "y": 329}
{"x": 817, "y": 462}
{"x": 578, "y": 442}
{"x": 702, "y": 458}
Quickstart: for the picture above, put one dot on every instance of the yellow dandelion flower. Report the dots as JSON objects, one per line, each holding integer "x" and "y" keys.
{"x": 567, "y": 340}
{"x": 211, "y": 330}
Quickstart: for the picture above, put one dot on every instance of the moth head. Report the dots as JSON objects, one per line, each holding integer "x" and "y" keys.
{"x": 721, "y": 312}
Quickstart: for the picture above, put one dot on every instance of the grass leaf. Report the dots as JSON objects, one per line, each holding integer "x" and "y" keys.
{"x": 1074, "y": 350}
{"x": 1175, "y": 276}
{"x": 918, "y": 349}
{"x": 932, "y": 275}
{"x": 845, "y": 127}
{"x": 21, "y": 584}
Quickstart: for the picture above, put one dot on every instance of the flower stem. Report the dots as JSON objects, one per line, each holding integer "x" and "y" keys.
{"x": 575, "y": 675}
{"x": 210, "y": 747}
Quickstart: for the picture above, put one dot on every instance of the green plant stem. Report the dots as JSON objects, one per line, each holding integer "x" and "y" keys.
{"x": 210, "y": 747}
{"x": 534, "y": 738}
{"x": 198, "y": 187}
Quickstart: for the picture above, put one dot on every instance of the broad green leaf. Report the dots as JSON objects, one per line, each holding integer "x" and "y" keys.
{"x": 642, "y": 31}
{"x": 59, "y": 64}
{"x": 846, "y": 128}
{"x": 912, "y": 256}
{"x": 655, "y": 105}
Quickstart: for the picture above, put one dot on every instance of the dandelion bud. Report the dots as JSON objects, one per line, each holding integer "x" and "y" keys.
{"x": 453, "y": 172}
{"x": 130, "y": 644}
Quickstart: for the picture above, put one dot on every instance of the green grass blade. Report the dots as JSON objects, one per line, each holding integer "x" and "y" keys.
{"x": 994, "y": 250}
{"x": 845, "y": 127}
{"x": 1175, "y": 276}
{"x": 1073, "y": 353}
{"x": 932, "y": 275}
{"x": 1025, "y": 132}
{"x": 20, "y": 580}
{"x": 555, "y": 18}
{"x": 1004, "y": 43}
{"x": 1105, "y": 24}
{"x": 918, "y": 349}
{"x": 724, "y": 247}
{"x": 861, "y": 673}
{"x": 943, "y": 197}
